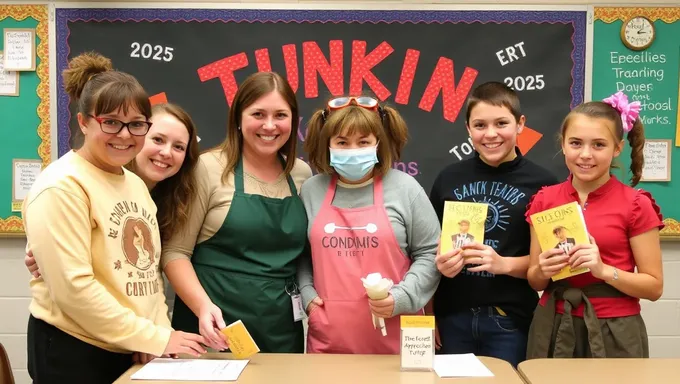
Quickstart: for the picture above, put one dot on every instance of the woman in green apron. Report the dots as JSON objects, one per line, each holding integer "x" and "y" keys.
{"x": 237, "y": 258}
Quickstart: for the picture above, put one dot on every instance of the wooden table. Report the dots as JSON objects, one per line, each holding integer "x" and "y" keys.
{"x": 340, "y": 369}
{"x": 598, "y": 371}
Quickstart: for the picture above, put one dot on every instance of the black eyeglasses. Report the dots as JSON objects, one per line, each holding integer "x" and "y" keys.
{"x": 113, "y": 126}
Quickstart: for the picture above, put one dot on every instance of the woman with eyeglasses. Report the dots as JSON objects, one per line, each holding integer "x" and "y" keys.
{"x": 364, "y": 217}
{"x": 92, "y": 228}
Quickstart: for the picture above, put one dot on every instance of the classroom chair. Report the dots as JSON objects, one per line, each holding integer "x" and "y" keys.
{"x": 6, "y": 375}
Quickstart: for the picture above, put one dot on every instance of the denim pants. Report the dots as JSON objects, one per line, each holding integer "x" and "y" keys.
{"x": 484, "y": 332}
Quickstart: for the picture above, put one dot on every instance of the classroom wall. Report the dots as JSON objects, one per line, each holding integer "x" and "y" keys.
{"x": 662, "y": 317}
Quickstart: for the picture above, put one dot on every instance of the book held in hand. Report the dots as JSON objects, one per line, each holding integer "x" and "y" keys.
{"x": 561, "y": 227}
{"x": 462, "y": 223}
{"x": 241, "y": 344}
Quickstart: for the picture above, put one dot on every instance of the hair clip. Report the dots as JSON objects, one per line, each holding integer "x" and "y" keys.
{"x": 629, "y": 111}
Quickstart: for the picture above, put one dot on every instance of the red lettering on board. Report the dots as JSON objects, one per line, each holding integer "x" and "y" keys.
{"x": 362, "y": 65}
{"x": 224, "y": 70}
{"x": 408, "y": 73}
{"x": 315, "y": 62}
{"x": 262, "y": 60}
{"x": 290, "y": 58}
{"x": 453, "y": 97}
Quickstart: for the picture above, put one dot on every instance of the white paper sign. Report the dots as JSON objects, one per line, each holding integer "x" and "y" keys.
{"x": 191, "y": 370}
{"x": 24, "y": 174}
{"x": 9, "y": 81}
{"x": 417, "y": 343}
{"x": 463, "y": 365}
{"x": 657, "y": 165}
{"x": 19, "y": 49}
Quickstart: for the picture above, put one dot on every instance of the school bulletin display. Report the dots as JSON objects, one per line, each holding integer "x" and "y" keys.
{"x": 424, "y": 63}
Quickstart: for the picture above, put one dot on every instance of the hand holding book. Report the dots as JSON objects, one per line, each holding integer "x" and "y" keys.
{"x": 450, "y": 263}
{"x": 552, "y": 262}
{"x": 587, "y": 256}
{"x": 485, "y": 258}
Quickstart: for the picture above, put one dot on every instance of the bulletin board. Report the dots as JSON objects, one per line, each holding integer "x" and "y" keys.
{"x": 652, "y": 77}
{"x": 25, "y": 118}
{"x": 424, "y": 63}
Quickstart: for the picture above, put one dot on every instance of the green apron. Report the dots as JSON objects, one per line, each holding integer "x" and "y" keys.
{"x": 249, "y": 267}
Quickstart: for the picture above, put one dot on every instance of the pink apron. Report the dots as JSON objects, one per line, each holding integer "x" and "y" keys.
{"x": 348, "y": 244}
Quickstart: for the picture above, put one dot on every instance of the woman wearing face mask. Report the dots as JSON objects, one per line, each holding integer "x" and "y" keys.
{"x": 364, "y": 217}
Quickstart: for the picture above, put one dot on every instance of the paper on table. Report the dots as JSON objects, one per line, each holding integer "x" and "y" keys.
{"x": 463, "y": 365}
{"x": 191, "y": 370}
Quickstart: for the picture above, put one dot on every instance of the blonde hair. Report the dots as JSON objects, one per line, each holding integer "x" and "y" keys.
{"x": 386, "y": 124}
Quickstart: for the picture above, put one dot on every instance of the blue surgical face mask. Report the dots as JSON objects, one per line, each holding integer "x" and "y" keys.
{"x": 354, "y": 164}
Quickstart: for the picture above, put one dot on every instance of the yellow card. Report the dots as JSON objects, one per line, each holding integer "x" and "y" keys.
{"x": 241, "y": 344}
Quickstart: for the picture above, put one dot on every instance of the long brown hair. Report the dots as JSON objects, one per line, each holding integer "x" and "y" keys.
{"x": 636, "y": 136}
{"x": 254, "y": 87}
{"x": 98, "y": 89}
{"x": 173, "y": 196}
{"x": 388, "y": 127}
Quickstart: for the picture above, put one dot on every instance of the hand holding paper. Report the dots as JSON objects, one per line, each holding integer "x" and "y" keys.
{"x": 377, "y": 288}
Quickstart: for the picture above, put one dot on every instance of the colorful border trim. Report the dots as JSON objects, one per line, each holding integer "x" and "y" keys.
{"x": 13, "y": 225}
{"x": 66, "y": 15}
{"x": 668, "y": 15}
{"x": 609, "y": 15}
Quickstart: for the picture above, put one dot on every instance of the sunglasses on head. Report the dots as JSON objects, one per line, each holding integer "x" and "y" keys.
{"x": 366, "y": 102}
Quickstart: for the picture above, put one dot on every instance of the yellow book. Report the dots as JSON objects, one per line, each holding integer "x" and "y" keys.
{"x": 241, "y": 344}
{"x": 561, "y": 227}
{"x": 462, "y": 223}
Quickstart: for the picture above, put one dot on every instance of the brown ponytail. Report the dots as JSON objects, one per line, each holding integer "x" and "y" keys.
{"x": 396, "y": 128}
{"x": 98, "y": 89}
{"x": 81, "y": 69}
{"x": 318, "y": 155}
{"x": 636, "y": 139}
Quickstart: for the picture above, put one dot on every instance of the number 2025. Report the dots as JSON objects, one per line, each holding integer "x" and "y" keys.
{"x": 147, "y": 51}
{"x": 528, "y": 83}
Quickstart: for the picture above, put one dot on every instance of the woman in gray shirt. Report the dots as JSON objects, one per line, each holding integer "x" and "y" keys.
{"x": 364, "y": 217}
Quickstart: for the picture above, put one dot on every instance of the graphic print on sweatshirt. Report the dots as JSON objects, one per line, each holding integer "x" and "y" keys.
{"x": 499, "y": 197}
{"x": 131, "y": 227}
{"x": 350, "y": 241}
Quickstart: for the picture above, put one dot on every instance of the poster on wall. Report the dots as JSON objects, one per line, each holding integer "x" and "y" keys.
{"x": 423, "y": 63}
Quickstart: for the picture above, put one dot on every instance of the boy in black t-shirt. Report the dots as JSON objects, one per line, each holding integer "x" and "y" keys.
{"x": 484, "y": 303}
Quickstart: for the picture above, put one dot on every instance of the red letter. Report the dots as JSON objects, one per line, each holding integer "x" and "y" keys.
{"x": 442, "y": 79}
{"x": 262, "y": 60}
{"x": 290, "y": 58}
{"x": 224, "y": 69}
{"x": 361, "y": 68}
{"x": 408, "y": 72}
{"x": 314, "y": 61}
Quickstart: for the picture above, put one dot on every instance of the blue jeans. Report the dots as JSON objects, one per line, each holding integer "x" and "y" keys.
{"x": 484, "y": 332}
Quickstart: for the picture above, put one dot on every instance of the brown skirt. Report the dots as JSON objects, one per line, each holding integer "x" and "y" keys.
{"x": 566, "y": 336}
{"x": 624, "y": 337}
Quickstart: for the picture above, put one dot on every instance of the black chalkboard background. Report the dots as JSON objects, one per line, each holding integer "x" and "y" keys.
{"x": 552, "y": 41}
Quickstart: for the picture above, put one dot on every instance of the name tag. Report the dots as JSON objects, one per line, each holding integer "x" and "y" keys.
{"x": 298, "y": 311}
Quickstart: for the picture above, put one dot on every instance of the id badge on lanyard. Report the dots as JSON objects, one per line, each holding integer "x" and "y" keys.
{"x": 296, "y": 300}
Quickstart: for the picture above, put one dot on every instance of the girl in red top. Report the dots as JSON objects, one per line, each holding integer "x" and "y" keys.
{"x": 597, "y": 314}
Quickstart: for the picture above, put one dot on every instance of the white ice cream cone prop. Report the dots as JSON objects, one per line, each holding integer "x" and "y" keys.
{"x": 377, "y": 288}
